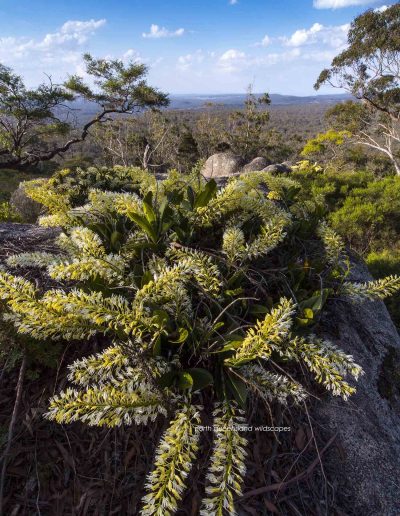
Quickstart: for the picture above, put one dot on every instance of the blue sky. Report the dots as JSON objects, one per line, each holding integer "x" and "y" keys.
{"x": 191, "y": 46}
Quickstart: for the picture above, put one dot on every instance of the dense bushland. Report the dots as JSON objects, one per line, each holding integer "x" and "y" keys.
{"x": 364, "y": 210}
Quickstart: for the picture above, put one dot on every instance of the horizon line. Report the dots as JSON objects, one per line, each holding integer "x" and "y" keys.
{"x": 262, "y": 93}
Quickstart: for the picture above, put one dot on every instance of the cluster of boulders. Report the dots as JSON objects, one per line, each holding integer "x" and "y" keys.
{"x": 226, "y": 164}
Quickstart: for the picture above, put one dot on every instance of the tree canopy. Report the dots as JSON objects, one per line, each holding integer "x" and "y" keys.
{"x": 369, "y": 69}
{"x": 40, "y": 123}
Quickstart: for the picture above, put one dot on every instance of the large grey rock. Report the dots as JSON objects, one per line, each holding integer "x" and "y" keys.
{"x": 222, "y": 164}
{"x": 278, "y": 168}
{"x": 365, "y": 466}
{"x": 16, "y": 238}
{"x": 255, "y": 165}
{"x": 28, "y": 209}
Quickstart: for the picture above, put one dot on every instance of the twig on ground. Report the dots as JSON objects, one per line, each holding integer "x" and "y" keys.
{"x": 11, "y": 429}
{"x": 301, "y": 476}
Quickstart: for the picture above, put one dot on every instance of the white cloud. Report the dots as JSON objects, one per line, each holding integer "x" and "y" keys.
{"x": 233, "y": 2}
{"x": 232, "y": 54}
{"x": 131, "y": 55}
{"x": 55, "y": 53}
{"x": 333, "y": 37}
{"x": 161, "y": 32}
{"x": 266, "y": 41}
{"x": 382, "y": 8}
{"x": 72, "y": 34}
{"x": 232, "y": 60}
{"x": 81, "y": 29}
{"x": 187, "y": 61}
{"x": 337, "y": 4}
{"x": 303, "y": 36}
{"x": 276, "y": 57}
{"x": 72, "y": 31}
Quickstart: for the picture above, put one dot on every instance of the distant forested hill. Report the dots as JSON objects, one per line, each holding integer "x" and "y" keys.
{"x": 237, "y": 100}
{"x": 188, "y": 102}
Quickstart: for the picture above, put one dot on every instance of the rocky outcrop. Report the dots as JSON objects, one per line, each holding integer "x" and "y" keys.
{"x": 364, "y": 466}
{"x": 16, "y": 238}
{"x": 222, "y": 164}
{"x": 255, "y": 165}
{"x": 226, "y": 164}
{"x": 279, "y": 168}
{"x": 26, "y": 208}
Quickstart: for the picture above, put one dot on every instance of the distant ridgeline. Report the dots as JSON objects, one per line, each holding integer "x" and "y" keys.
{"x": 224, "y": 101}
{"x": 187, "y": 101}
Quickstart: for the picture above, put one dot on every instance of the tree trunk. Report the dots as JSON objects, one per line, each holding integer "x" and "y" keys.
{"x": 396, "y": 166}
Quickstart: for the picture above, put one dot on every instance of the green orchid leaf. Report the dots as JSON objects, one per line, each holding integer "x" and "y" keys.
{"x": 201, "y": 378}
{"x": 206, "y": 195}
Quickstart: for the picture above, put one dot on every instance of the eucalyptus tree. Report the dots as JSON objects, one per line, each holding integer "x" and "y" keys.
{"x": 369, "y": 69}
{"x": 38, "y": 124}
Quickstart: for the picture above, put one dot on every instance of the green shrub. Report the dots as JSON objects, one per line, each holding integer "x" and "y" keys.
{"x": 370, "y": 216}
{"x": 75, "y": 183}
{"x": 329, "y": 186}
{"x": 7, "y": 213}
{"x": 325, "y": 145}
{"x": 384, "y": 263}
{"x": 364, "y": 210}
{"x": 205, "y": 298}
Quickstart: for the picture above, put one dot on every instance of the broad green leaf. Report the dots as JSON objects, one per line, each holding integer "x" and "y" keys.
{"x": 218, "y": 326}
{"x": 303, "y": 322}
{"x": 237, "y": 388}
{"x": 201, "y": 378}
{"x": 162, "y": 208}
{"x": 146, "y": 278}
{"x": 183, "y": 335}
{"x": 116, "y": 240}
{"x": 149, "y": 212}
{"x": 157, "y": 347}
{"x": 317, "y": 301}
{"x": 231, "y": 346}
{"x": 167, "y": 379}
{"x": 206, "y": 195}
{"x": 161, "y": 317}
{"x": 185, "y": 380}
{"x": 191, "y": 196}
{"x": 144, "y": 224}
{"x": 259, "y": 309}
{"x": 308, "y": 313}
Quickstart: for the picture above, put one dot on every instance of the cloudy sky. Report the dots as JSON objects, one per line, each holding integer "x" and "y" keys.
{"x": 191, "y": 46}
